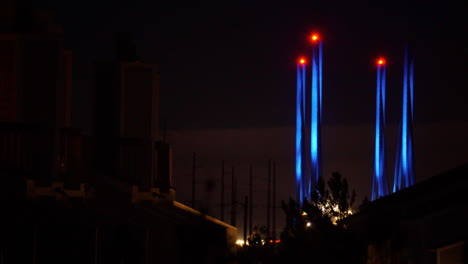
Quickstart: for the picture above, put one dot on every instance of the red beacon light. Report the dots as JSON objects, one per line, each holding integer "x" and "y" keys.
{"x": 315, "y": 37}
{"x": 381, "y": 61}
{"x": 302, "y": 61}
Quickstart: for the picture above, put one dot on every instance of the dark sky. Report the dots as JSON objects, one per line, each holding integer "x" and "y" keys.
{"x": 228, "y": 67}
{"x": 232, "y": 64}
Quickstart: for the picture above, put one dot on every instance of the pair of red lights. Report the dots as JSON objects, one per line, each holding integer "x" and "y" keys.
{"x": 380, "y": 61}
{"x": 314, "y": 38}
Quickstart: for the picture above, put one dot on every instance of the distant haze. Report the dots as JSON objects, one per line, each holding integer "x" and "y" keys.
{"x": 347, "y": 149}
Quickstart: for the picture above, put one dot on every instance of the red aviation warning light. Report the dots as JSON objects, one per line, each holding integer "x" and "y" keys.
{"x": 315, "y": 37}
{"x": 381, "y": 61}
{"x": 302, "y": 61}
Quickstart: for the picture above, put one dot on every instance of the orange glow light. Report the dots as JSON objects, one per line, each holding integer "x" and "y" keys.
{"x": 302, "y": 61}
{"x": 315, "y": 37}
{"x": 381, "y": 61}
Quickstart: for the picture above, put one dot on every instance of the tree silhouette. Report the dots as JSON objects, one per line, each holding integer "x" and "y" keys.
{"x": 339, "y": 200}
{"x": 313, "y": 231}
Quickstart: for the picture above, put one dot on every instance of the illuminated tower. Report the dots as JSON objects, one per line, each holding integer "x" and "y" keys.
{"x": 404, "y": 170}
{"x": 379, "y": 179}
{"x": 316, "y": 113}
{"x": 300, "y": 130}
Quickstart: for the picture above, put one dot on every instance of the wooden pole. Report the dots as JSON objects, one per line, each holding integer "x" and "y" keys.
{"x": 268, "y": 198}
{"x": 193, "y": 179}
{"x": 96, "y": 239}
{"x": 222, "y": 191}
{"x": 250, "y": 200}
{"x": 246, "y": 201}
{"x": 233, "y": 199}
{"x": 274, "y": 201}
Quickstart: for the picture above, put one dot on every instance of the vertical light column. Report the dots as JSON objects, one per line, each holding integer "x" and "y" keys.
{"x": 300, "y": 123}
{"x": 316, "y": 114}
{"x": 379, "y": 178}
{"x": 404, "y": 170}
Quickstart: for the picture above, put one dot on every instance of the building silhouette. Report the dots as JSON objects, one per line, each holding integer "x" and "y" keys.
{"x": 35, "y": 92}
{"x": 105, "y": 198}
{"x": 423, "y": 223}
{"x": 126, "y": 127}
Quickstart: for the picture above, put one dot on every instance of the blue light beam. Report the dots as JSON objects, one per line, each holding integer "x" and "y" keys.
{"x": 316, "y": 116}
{"x": 300, "y": 123}
{"x": 379, "y": 178}
{"x": 404, "y": 169}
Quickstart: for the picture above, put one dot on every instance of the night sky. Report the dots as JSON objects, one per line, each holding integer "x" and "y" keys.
{"x": 233, "y": 64}
{"x": 230, "y": 66}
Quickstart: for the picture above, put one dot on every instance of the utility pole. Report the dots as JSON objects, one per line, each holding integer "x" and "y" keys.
{"x": 246, "y": 203}
{"x": 147, "y": 246}
{"x": 96, "y": 245}
{"x": 154, "y": 166}
{"x": 268, "y": 198}
{"x": 164, "y": 134}
{"x": 193, "y": 180}
{"x": 233, "y": 199}
{"x": 222, "y": 191}
{"x": 274, "y": 201}
{"x": 250, "y": 200}
{"x": 35, "y": 249}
